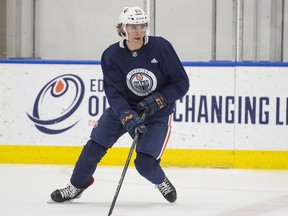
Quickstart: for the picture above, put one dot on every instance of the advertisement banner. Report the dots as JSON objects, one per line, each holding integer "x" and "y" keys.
{"x": 225, "y": 107}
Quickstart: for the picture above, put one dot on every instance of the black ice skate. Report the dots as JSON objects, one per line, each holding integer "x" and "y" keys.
{"x": 167, "y": 190}
{"x": 69, "y": 193}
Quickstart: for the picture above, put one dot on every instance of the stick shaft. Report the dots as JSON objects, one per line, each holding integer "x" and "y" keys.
{"x": 123, "y": 173}
{"x": 125, "y": 167}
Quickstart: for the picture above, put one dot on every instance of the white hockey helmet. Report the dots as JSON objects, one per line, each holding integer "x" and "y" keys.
{"x": 133, "y": 15}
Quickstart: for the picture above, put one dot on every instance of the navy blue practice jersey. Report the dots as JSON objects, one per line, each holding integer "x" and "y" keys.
{"x": 130, "y": 76}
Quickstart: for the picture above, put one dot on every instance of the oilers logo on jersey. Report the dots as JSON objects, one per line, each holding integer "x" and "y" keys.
{"x": 141, "y": 81}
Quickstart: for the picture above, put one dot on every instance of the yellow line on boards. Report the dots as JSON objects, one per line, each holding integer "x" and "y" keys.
{"x": 248, "y": 159}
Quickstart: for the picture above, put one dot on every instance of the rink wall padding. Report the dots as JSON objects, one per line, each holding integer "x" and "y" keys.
{"x": 235, "y": 115}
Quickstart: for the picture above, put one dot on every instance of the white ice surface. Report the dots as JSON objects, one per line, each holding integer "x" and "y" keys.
{"x": 25, "y": 190}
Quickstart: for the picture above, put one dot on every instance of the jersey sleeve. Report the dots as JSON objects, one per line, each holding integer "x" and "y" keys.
{"x": 113, "y": 86}
{"x": 173, "y": 68}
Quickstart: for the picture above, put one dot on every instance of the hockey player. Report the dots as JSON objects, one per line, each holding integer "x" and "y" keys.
{"x": 141, "y": 74}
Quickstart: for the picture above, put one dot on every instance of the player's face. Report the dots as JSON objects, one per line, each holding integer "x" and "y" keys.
{"x": 136, "y": 31}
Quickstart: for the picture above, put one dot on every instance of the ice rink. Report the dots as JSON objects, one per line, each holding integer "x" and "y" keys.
{"x": 25, "y": 190}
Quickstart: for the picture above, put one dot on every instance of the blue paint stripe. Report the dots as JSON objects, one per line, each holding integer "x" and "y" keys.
{"x": 185, "y": 63}
{"x": 234, "y": 64}
{"x": 41, "y": 61}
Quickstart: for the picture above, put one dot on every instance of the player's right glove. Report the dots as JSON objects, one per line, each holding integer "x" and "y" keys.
{"x": 132, "y": 122}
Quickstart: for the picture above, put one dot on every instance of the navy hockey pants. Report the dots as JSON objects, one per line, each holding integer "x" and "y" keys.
{"x": 105, "y": 134}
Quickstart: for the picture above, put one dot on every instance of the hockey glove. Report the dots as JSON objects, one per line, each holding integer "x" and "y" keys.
{"x": 152, "y": 104}
{"x": 132, "y": 122}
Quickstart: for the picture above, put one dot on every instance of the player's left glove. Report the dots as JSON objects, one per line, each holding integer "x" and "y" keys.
{"x": 152, "y": 104}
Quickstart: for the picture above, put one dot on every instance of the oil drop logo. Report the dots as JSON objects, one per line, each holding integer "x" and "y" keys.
{"x": 56, "y": 103}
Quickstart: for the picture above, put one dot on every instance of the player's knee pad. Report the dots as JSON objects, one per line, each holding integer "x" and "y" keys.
{"x": 147, "y": 165}
{"x": 93, "y": 152}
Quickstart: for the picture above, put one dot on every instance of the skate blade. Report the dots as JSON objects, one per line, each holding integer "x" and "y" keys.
{"x": 50, "y": 202}
{"x": 53, "y": 202}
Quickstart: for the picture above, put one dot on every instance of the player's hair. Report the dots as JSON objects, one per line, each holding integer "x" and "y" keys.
{"x": 120, "y": 30}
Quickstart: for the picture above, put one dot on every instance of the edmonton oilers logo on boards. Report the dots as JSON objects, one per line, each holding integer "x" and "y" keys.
{"x": 141, "y": 81}
{"x": 56, "y": 102}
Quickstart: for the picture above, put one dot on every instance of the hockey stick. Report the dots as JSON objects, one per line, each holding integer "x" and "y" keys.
{"x": 125, "y": 168}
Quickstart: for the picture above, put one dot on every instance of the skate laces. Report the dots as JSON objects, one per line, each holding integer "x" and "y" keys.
{"x": 165, "y": 187}
{"x": 69, "y": 191}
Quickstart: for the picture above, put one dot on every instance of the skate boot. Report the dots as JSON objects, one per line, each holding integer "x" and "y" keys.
{"x": 167, "y": 190}
{"x": 69, "y": 193}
